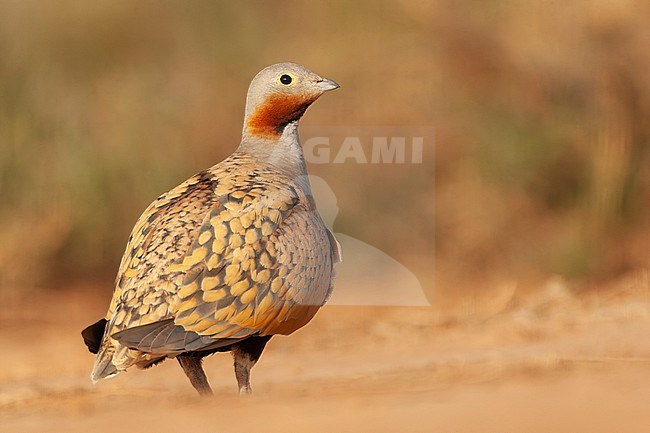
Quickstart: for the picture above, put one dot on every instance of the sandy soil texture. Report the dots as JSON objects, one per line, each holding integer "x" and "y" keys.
{"x": 554, "y": 361}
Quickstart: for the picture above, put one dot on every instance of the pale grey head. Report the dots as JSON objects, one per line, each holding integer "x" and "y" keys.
{"x": 279, "y": 95}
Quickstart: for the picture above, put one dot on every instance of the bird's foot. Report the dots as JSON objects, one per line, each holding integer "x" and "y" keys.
{"x": 245, "y": 390}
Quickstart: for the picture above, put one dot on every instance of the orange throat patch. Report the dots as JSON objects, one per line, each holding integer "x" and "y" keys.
{"x": 269, "y": 118}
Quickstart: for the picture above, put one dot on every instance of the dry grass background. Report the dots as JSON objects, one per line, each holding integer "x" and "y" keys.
{"x": 541, "y": 161}
{"x": 533, "y": 201}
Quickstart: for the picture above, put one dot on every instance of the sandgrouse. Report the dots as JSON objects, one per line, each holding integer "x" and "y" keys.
{"x": 232, "y": 256}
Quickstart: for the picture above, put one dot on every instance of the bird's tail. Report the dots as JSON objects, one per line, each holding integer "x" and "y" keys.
{"x": 113, "y": 358}
{"x": 104, "y": 367}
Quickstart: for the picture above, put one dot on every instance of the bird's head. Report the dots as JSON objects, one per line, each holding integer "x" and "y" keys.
{"x": 278, "y": 96}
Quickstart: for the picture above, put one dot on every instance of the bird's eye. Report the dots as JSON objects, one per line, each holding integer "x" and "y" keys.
{"x": 286, "y": 79}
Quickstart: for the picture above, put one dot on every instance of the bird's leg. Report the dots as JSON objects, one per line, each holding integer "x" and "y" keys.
{"x": 246, "y": 355}
{"x": 194, "y": 371}
{"x": 243, "y": 365}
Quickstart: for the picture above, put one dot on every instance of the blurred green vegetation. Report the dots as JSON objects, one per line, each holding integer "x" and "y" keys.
{"x": 541, "y": 163}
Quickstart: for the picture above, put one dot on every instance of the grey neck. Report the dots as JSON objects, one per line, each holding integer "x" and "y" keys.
{"x": 284, "y": 153}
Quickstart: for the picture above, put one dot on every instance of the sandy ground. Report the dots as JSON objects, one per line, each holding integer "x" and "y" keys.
{"x": 554, "y": 361}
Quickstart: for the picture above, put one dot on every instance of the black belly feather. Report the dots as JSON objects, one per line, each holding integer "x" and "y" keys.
{"x": 93, "y": 335}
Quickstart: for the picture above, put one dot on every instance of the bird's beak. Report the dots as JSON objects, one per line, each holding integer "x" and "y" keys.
{"x": 325, "y": 84}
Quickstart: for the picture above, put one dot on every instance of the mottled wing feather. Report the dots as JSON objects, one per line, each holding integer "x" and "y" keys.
{"x": 162, "y": 235}
{"x": 165, "y": 337}
{"x": 229, "y": 271}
